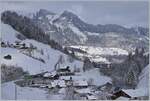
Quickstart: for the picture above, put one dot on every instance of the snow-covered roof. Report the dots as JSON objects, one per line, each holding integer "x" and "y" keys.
{"x": 63, "y": 67}
{"x": 122, "y": 98}
{"x": 91, "y": 97}
{"x": 60, "y": 83}
{"x": 65, "y": 77}
{"x": 83, "y": 91}
{"x": 50, "y": 74}
{"x": 80, "y": 83}
{"x": 136, "y": 92}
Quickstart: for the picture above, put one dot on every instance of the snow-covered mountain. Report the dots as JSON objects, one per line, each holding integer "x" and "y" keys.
{"x": 68, "y": 28}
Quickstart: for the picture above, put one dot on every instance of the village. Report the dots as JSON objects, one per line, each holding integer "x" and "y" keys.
{"x": 80, "y": 88}
{"x": 66, "y": 78}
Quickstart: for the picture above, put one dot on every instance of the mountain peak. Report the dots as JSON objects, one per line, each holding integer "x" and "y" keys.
{"x": 69, "y": 15}
{"x": 45, "y": 12}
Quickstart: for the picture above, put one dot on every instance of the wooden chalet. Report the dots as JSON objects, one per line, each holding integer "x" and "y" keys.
{"x": 3, "y": 44}
{"x": 8, "y": 57}
{"x": 80, "y": 84}
{"x": 106, "y": 87}
{"x": 64, "y": 71}
{"x": 51, "y": 75}
{"x": 118, "y": 94}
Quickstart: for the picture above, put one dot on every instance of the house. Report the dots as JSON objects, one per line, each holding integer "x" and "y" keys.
{"x": 64, "y": 71}
{"x": 3, "y": 44}
{"x": 106, "y": 87}
{"x": 67, "y": 79}
{"x": 16, "y": 44}
{"x": 119, "y": 94}
{"x": 40, "y": 75}
{"x": 8, "y": 57}
{"x": 80, "y": 84}
{"x": 51, "y": 75}
{"x": 57, "y": 83}
{"x": 83, "y": 91}
{"x": 91, "y": 97}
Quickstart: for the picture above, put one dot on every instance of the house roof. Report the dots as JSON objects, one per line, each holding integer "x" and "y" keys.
{"x": 136, "y": 92}
{"x": 80, "y": 83}
{"x": 63, "y": 67}
{"x": 91, "y": 97}
{"x": 83, "y": 91}
{"x": 65, "y": 77}
{"x": 122, "y": 98}
{"x": 50, "y": 74}
{"x": 60, "y": 83}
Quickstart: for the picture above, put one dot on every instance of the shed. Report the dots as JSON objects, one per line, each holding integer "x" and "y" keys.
{"x": 8, "y": 57}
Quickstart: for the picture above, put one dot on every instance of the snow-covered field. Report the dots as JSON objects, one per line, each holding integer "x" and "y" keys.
{"x": 25, "y": 93}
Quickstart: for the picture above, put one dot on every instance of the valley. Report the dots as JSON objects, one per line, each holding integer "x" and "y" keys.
{"x": 60, "y": 57}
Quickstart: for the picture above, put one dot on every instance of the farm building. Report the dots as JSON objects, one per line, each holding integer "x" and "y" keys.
{"x": 64, "y": 71}
{"x": 80, "y": 84}
{"x": 51, "y": 75}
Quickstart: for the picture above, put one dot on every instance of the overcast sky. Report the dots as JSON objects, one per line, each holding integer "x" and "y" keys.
{"x": 126, "y": 13}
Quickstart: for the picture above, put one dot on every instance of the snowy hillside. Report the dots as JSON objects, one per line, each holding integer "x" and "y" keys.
{"x": 142, "y": 88}
{"x": 144, "y": 78}
{"x": 8, "y": 34}
{"x": 50, "y": 56}
{"x": 99, "y": 54}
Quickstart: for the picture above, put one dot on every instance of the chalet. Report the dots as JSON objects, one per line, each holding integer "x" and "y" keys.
{"x": 51, "y": 75}
{"x": 40, "y": 75}
{"x": 80, "y": 84}
{"x": 3, "y": 44}
{"x": 23, "y": 47}
{"x": 8, "y": 57}
{"x": 16, "y": 44}
{"x": 119, "y": 94}
{"x": 64, "y": 71}
{"x": 83, "y": 91}
{"x": 57, "y": 83}
{"x": 106, "y": 87}
{"x": 67, "y": 79}
{"x": 91, "y": 97}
